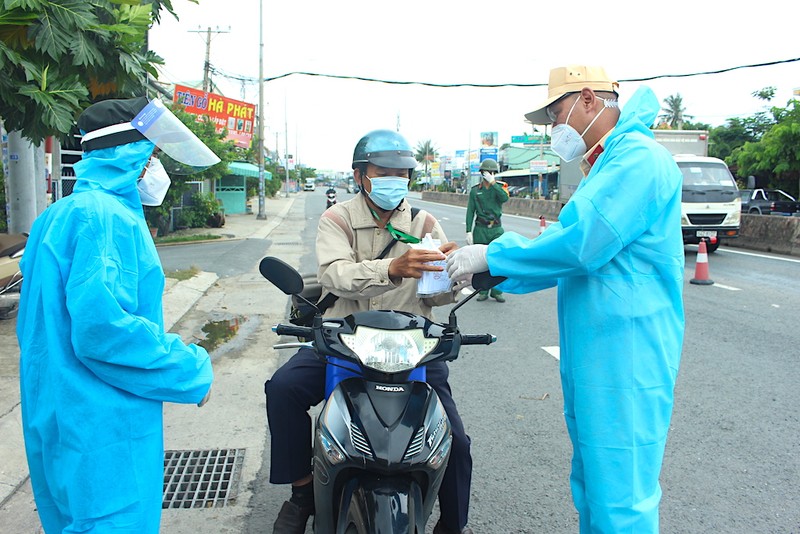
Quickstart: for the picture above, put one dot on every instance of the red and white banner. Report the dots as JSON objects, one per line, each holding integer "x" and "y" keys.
{"x": 237, "y": 116}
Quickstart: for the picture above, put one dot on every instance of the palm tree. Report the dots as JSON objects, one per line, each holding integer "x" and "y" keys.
{"x": 674, "y": 111}
{"x": 426, "y": 153}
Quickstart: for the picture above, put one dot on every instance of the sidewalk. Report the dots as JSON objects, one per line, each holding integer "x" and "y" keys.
{"x": 179, "y": 298}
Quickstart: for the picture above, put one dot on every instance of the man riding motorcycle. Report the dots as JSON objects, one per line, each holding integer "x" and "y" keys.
{"x": 350, "y": 236}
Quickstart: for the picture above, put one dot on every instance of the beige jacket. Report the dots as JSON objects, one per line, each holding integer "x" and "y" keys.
{"x": 349, "y": 240}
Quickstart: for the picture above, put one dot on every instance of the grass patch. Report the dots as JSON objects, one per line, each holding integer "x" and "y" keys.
{"x": 185, "y": 238}
{"x": 183, "y": 274}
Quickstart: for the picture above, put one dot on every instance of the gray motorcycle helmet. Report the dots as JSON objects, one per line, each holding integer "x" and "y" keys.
{"x": 384, "y": 148}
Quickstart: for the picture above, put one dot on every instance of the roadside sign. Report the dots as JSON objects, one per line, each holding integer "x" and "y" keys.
{"x": 526, "y": 139}
{"x": 538, "y": 165}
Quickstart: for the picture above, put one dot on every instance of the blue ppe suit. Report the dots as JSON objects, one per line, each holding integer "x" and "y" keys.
{"x": 616, "y": 254}
{"x": 95, "y": 363}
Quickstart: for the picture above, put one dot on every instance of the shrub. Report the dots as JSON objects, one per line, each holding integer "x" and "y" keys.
{"x": 204, "y": 209}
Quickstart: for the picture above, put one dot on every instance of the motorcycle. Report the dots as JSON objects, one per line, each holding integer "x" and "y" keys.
{"x": 12, "y": 246}
{"x": 330, "y": 199}
{"x": 382, "y": 438}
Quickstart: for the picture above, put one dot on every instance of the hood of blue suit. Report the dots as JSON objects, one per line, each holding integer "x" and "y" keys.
{"x": 115, "y": 169}
{"x": 638, "y": 114}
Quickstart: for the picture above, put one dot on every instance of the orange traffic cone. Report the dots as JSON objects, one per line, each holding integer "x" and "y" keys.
{"x": 701, "y": 267}
{"x": 542, "y": 224}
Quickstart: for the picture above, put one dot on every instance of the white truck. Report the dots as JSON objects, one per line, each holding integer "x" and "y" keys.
{"x": 710, "y": 205}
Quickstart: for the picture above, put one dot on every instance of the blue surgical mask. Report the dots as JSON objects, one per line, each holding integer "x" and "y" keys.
{"x": 388, "y": 191}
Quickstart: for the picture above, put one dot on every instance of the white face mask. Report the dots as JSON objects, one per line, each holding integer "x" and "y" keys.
{"x": 154, "y": 184}
{"x": 565, "y": 140}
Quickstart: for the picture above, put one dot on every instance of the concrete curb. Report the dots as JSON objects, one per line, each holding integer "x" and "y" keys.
{"x": 180, "y": 298}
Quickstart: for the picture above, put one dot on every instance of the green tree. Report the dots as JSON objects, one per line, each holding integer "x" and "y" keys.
{"x": 723, "y": 140}
{"x": 57, "y": 56}
{"x": 674, "y": 112}
{"x": 776, "y": 155}
{"x": 737, "y": 131}
{"x": 425, "y": 153}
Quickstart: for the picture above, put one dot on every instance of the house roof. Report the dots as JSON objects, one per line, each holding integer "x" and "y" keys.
{"x": 518, "y": 158}
{"x": 241, "y": 168}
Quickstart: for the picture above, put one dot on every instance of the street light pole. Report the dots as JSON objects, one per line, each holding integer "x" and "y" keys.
{"x": 261, "y": 201}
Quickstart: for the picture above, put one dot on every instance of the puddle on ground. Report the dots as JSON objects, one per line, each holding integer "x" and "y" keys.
{"x": 220, "y": 332}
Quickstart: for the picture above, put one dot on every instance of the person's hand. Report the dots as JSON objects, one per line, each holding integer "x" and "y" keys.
{"x": 448, "y": 247}
{"x": 205, "y": 399}
{"x": 415, "y": 262}
{"x": 467, "y": 261}
{"x": 469, "y": 239}
{"x": 489, "y": 177}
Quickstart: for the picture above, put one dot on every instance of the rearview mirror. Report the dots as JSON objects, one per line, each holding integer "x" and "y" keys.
{"x": 282, "y": 275}
{"x": 485, "y": 281}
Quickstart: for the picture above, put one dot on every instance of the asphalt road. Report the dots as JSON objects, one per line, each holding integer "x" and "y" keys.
{"x": 733, "y": 457}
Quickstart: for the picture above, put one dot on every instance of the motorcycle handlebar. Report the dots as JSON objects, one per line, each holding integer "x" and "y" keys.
{"x": 307, "y": 333}
{"x": 478, "y": 339}
{"x": 291, "y": 330}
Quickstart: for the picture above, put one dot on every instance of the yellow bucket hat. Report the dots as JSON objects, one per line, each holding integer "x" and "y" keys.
{"x": 571, "y": 79}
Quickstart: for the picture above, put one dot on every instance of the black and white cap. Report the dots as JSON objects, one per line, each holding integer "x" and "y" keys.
{"x": 108, "y": 123}
{"x": 117, "y": 122}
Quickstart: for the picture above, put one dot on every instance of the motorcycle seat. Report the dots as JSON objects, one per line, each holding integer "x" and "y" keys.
{"x": 11, "y": 244}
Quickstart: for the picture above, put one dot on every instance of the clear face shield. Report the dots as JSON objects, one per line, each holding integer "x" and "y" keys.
{"x": 182, "y": 152}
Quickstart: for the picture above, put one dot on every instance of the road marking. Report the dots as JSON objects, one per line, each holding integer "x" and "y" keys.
{"x": 729, "y": 250}
{"x": 555, "y": 352}
{"x": 729, "y": 288}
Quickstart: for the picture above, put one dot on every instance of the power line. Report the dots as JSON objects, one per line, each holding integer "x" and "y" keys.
{"x": 245, "y": 79}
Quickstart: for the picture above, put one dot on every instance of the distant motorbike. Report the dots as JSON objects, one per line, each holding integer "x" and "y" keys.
{"x": 382, "y": 439}
{"x": 330, "y": 198}
{"x": 12, "y": 246}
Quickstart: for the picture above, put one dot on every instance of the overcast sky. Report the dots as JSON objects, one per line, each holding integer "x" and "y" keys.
{"x": 465, "y": 41}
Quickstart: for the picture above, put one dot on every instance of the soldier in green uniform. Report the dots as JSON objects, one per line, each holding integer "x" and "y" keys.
{"x": 484, "y": 209}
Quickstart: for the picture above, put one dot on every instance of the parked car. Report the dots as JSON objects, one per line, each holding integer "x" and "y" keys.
{"x": 768, "y": 201}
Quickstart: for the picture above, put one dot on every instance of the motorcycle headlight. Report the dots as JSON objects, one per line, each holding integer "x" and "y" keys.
{"x": 389, "y": 351}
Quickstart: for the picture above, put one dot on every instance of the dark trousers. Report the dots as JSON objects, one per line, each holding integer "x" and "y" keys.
{"x": 300, "y": 384}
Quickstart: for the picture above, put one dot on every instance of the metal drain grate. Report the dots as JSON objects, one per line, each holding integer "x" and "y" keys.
{"x": 201, "y": 479}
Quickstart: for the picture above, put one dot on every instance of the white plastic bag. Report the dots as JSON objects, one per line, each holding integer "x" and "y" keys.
{"x": 432, "y": 282}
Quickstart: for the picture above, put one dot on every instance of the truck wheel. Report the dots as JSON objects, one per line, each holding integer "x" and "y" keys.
{"x": 711, "y": 247}
{"x": 755, "y": 211}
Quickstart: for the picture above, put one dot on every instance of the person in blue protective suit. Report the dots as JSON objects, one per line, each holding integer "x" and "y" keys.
{"x": 95, "y": 362}
{"x": 616, "y": 255}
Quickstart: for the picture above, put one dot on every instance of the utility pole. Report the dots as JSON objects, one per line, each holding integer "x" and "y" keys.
{"x": 278, "y": 155}
{"x": 286, "y": 140}
{"x": 261, "y": 200}
{"x": 207, "y": 64}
